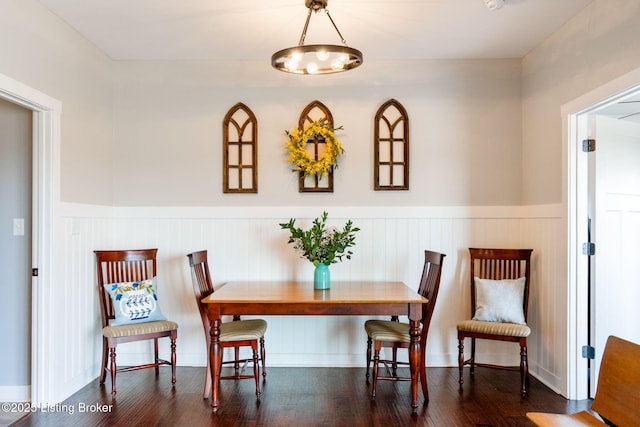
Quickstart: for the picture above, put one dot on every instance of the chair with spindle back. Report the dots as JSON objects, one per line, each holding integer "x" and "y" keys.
{"x": 235, "y": 334}
{"x": 394, "y": 334}
{"x": 500, "y": 280}
{"x": 128, "y": 304}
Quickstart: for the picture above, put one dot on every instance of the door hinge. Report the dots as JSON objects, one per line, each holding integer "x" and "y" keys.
{"x": 34, "y": 272}
{"x": 588, "y": 145}
{"x": 588, "y": 352}
{"x": 588, "y": 248}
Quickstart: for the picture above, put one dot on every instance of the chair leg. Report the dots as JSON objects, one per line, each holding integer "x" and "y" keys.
{"x": 236, "y": 355}
{"x": 156, "y": 355}
{"x": 173, "y": 358}
{"x": 376, "y": 361}
{"x": 207, "y": 380}
{"x": 460, "y": 359}
{"x": 256, "y": 371}
{"x": 524, "y": 370}
{"x": 105, "y": 359}
{"x": 262, "y": 356}
{"x": 394, "y": 361}
{"x": 113, "y": 367}
{"x": 423, "y": 375}
{"x": 368, "y": 357}
{"x": 472, "y": 361}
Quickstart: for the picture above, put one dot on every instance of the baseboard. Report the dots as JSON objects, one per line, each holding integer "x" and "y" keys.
{"x": 21, "y": 393}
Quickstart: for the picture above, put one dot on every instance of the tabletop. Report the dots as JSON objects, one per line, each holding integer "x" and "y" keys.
{"x": 286, "y": 292}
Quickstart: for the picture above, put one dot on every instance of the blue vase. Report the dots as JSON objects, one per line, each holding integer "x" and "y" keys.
{"x": 321, "y": 277}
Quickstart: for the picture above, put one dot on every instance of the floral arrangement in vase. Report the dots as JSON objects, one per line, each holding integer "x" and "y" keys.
{"x": 322, "y": 245}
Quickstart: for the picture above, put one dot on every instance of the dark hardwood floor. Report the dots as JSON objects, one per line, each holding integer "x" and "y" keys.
{"x": 293, "y": 397}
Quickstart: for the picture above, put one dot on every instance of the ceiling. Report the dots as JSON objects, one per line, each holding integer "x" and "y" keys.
{"x": 627, "y": 108}
{"x": 254, "y": 29}
{"x": 381, "y": 29}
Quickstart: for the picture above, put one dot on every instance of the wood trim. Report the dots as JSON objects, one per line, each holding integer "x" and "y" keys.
{"x": 234, "y": 166}
{"x": 388, "y": 144}
{"x": 314, "y": 111}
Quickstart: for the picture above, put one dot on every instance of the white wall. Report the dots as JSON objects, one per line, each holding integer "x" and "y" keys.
{"x": 249, "y": 244}
{"x": 598, "y": 45}
{"x": 39, "y": 50}
{"x": 464, "y": 119}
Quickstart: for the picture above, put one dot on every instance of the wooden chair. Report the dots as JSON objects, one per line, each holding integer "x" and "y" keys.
{"x": 122, "y": 266}
{"x": 617, "y": 397}
{"x": 236, "y": 334}
{"x": 393, "y": 334}
{"x": 504, "y": 318}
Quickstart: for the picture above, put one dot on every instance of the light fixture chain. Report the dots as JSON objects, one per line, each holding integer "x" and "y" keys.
{"x": 336, "y": 27}
{"x": 304, "y": 30}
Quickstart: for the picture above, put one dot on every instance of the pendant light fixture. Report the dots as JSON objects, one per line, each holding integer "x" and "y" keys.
{"x": 316, "y": 58}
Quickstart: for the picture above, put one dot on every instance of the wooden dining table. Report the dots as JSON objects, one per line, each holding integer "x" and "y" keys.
{"x": 350, "y": 298}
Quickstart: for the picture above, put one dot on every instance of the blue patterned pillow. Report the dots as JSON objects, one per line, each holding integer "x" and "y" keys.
{"x": 134, "y": 302}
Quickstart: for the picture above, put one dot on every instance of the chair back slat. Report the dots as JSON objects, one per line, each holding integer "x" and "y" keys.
{"x": 120, "y": 266}
{"x": 499, "y": 269}
{"x": 500, "y": 264}
{"x": 429, "y": 286}
{"x": 201, "y": 281}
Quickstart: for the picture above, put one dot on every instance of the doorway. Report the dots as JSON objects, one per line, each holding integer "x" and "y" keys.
{"x": 15, "y": 246}
{"x": 46, "y": 119}
{"x": 614, "y": 204}
{"x": 592, "y": 192}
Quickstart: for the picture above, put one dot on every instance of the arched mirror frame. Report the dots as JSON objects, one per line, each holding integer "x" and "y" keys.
{"x": 392, "y": 160}
{"x": 315, "y": 111}
{"x": 240, "y": 161}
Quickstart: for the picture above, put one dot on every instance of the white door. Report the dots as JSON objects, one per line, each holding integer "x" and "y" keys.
{"x": 615, "y": 192}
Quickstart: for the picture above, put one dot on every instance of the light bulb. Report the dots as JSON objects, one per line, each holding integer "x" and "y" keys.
{"x": 494, "y": 4}
{"x": 322, "y": 55}
{"x": 312, "y": 68}
{"x": 291, "y": 64}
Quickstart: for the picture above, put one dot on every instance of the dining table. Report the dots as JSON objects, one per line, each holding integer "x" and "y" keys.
{"x": 292, "y": 297}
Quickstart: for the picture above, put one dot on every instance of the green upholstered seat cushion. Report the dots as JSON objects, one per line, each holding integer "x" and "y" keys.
{"x": 386, "y": 330}
{"x": 494, "y": 328}
{"x": 139, "y": 329}
{"x": 240, "y": 330}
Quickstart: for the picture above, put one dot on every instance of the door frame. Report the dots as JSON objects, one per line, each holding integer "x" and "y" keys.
{"x": 45, "y": 196}
{"x": 575, "y": 127}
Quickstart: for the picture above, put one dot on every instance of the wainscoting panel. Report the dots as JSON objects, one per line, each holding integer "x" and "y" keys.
{"x": 248, "y": 244}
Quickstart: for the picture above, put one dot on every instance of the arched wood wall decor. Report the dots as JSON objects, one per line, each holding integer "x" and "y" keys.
{"x": 391, "y": 147}
{"x": 240, "y": 150}
{"x": 315, "y": 111}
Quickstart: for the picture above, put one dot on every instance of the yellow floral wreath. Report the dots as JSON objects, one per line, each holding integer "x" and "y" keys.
{"x": 299, "y": 156}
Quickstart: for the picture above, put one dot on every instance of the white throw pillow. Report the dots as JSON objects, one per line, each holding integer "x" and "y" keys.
{"x": 499, "y": 300}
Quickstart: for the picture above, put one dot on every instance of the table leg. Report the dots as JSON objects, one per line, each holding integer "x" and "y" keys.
{"x": 414, "y": 361}
{"x": 215, "y": 355}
